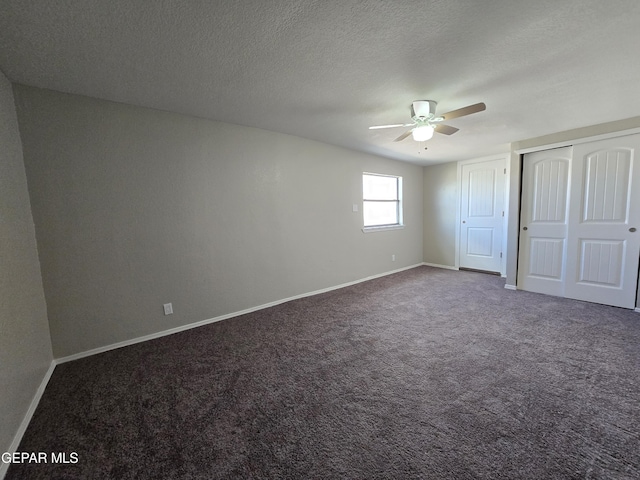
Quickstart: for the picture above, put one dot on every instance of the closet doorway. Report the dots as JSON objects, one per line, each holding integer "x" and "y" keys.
{"x": 579, "y": 222}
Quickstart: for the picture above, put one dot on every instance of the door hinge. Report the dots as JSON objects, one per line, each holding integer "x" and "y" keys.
{"x": 505, "y": 171}
{"x": 503, "y": 213}
{"x": 500, "y": 254}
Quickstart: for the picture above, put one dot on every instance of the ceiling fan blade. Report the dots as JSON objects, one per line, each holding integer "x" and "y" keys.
{"x": 461, "y": 112}
{"x": 375, "y": 127}
{"x": 403, "y": 136}
{"x": 446, "y": 129}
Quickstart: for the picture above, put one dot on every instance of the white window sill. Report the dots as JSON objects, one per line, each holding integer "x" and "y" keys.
{"x": 382, "y": 228}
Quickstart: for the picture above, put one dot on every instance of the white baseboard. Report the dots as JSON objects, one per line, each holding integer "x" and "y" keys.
{"x": 27, "y": 417}
{"x": 447, "y": 267}
{"x": 208, "y": 321}
{"x": 637, "y": 309}
{"x": 510, "y": 287}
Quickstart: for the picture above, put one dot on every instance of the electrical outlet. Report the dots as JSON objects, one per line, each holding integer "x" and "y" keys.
{"x": 393, "y": 258}
{"x": 168, "y": 309}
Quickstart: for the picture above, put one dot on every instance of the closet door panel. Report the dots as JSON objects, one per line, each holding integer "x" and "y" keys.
{"x": 604, "y": 215}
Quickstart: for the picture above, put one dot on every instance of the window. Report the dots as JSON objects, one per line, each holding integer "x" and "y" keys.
{"x": 381, "y": 201}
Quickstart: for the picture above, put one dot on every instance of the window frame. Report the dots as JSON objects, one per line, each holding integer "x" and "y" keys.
{"x": 398, "y": 201}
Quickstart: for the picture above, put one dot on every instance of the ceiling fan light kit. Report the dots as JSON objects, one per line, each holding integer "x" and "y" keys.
{"x": 425, "y": 121}
{"x": 422, "y": 133}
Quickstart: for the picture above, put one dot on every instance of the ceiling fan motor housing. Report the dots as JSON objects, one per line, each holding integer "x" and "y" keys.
{"x": 423, "y": 109}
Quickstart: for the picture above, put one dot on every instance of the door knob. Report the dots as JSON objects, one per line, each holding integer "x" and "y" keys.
{"x": 525, "y": 228}
{"x": 632, "y": 229}
{"x": 464, "y": 221}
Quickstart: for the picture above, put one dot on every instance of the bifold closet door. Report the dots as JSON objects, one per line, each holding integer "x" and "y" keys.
{"x": 604, "y": 219}
{"x": 544, "y": 221}
{"x": 579, "y": 222}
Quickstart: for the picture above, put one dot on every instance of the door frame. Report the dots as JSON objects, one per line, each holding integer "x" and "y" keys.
{"x": 505, "y": 158}
{"x": 568, "y": 143}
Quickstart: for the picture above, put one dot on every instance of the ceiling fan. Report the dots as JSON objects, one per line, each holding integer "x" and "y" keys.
{"x": 425, "y": 121}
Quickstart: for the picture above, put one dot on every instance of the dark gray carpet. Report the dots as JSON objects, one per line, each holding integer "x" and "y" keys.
{"x": 428, "y": 373}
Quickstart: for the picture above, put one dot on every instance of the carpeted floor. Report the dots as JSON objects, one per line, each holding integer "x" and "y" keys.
{"x": 428, "y": 373}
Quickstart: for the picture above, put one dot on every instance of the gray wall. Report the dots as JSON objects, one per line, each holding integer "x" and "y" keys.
{"x": 440, "y": 202}
{"x": 25, "y": 346}
{"x": 136, "y": 207}
{"x": 516, "y": 168}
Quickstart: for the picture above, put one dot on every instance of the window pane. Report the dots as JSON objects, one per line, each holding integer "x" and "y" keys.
{"x": 380, "y": 213}
{"x": 376, "y": 187}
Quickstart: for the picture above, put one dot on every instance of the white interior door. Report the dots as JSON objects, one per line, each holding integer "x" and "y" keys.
{"x": 604, "y": 218}
{"x": 481, "y": 215}
{"x": 544, "y": 221}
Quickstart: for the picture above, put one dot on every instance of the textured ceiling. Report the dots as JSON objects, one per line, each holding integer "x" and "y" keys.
{"x": 327, "y": 70}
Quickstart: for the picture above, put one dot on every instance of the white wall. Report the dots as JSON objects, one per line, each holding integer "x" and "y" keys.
{"x": 25, "y": 346}
{"x": 136, "y": 207}
{"x": 440, "y": 203}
